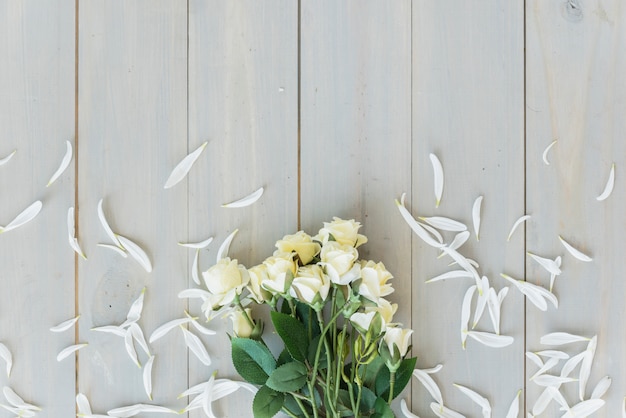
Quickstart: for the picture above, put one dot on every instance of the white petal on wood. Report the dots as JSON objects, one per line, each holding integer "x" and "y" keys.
{"x": 20, "y": 413}
{"x": 444, "y": 224}
{"x": 558, "y": 397}
{"x": 608, "y": 189}
{"x": 491, "y": 340}
{"x": 197, "y": 245}
{"x": 106, "y": 226}
{"x": 624, "y": 407}
{"x": 134, "y": 312}
{"x": 476, "y": 216}
{"x": 513, "y": 411}
{"x": 167, "y": 327}
{"x": 542, "y": 401}
{"x": 534, "y": 358}
{"x": 459, "y": 240}
{"x": 432, "y": 231}
{"x": 516, "y": 224}
{"x": 82, "y": 403}
{"x": 71, "y": 232}
{"x": 603, "y": 385}
{"x": 24, "y": 217}
{"x": 6, "y": 159}
{"x": 560, "y": 338}
{"x": 547, "y": 263}
{"x": 535, "y": 294}
{"x": 195, "y": 345}
{"x": 494, "y": 305}
{"x": 194, "y": 294}
{"x": 114, "y": 248}
{"x": 245, "y": 201}
{"x": 69, "y": 350}
{"x": 65, "y": 325}
{"x": 481, "y": 303}
{"x": 585, "y": 366}
{"x": 111, "y": 329}
{"x": 557, "y": 261}
{"x": 465, "y": 313}
{"x": 17, "y": 401}
{"x": 222, "y": 252}
{"x": 136, "y": 252}
{"x": 455, "y": 274}
{"x": 544, "y": 156}
{"x": 477, "y": 398}
{"x": 64, "y": 163}
{"x": 130, "y": 347}
{"x": 201, "y": 329}
{"x": 182, "y": 168}
{"x": 438, "y": 178}
{"x": 405, "y": 410}
{"x": 573, "y": 251}
{"x": 546, "y": 366}
{"x": 584, "y": 408}
{"x": 553, "y": 354}
{"x": 432, "y": 370}
{"x": 465, "y": 264}
{"x": 132, "y": 410}
{"x": 550, "y": 380}
{"x": 7, "y": 357}
{"x": 194, "y": 268}
{"x": 147, "y": 376}
{"x": 444, "y": 412}
{"x": 415, "y": 226}
{"x": 571, "y": 364}
{"x": 429, "y": 384}
{"x": 137, "y": 334}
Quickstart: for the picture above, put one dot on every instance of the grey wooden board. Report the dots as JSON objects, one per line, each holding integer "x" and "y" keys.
{"x": 576, "y": 95}
{"x": 468, "y": 110}
{"x": 37, "y": 274}
{"x": 132, "y": 132}
{"x": 356, "y": 125}
{"x": 243, "y": 85}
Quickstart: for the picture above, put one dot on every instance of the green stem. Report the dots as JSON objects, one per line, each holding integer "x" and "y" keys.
{"x": 312, "y": 400}
{"x": 360, "y": 383}
{"x": 291, "y": 306}
{"x": 392, "y": 382}
{"x": 297, "y": 398}
{"x": 288, "y": 412}
{"x": 329, "y": 366}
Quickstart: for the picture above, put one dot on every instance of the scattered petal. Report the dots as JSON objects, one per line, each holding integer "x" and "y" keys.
{"x": 25, "y": 216}
{"x": 245, "y": 201}
{"x": 194, "y": 294}
{"x": 167, "y": 327}
{"x": 429, "y": 384}
{"x": 64, "y": 163}
{"x": 415, "y": 226}
{"x": 69, "y": 350}
{"x": 71, "y": 231}
{"x": 477, "y": 398}
{"x": 5, "y": 354}
{"x": 445, "y": 224}
{"x": 608, "y": 189}
{"x": 6, "y": 159}
{"x": 15, "y": 400}
{"x": 494, "y": 303}
{"x": 585, "y": 366}
{"x": 444, "y": 412}
{"x": 137, "y": 334}
{"x": 491, "y": 340}
{"x": 405, "y": 410}
{"x": 195, "y": 345}
{"x": 534, "y": 358}
{"x": 514, "y": 408}
{"x": 134, "y": 313}
{"x": 482, "y": 301}
{"x": 465, "y": 313}
{"x": 624, "y": 407}
{"x": 558, "y": 397}
{"x": 516, "y": 224}
{"x": 546, "y": 366}
{"x": 65, "y": 325}
{"x": 132, "y": 410}
{"x": 465, "y": 264}
{"x": 557, "y": 261}
{"x": 194, "y": 268}
{"x": 476, "y": 216}
{"x": 603, "y": 385}
{"x": 136, "y": 252}
{"x": 111, "y": 329}
{"x": 451, "y": 275}
{"x": 130, "y": 347}
{"x": 114, "y": 248}
{"x": 82, "y": 403}
{"x": 560, "y": 338}
{"x": 105, "y": 225}
{"x": 438, "y": 176}
{"x": 542, "y": 402}
{"x": 553, "y": 354}
{"x": 571, "y": 364}
{"x": 550, "y": 380}
{"x": 222, "y": 252}
{"x": 432, "y": 230}
{"x": 197, "y": 245}
{"x": 545, "y": 153}
{"x": 548, "y": 264}
{"x": 147, "y": 377}
{"x": 573, "y": 251}
{"x": 535, "y": 294}
{"x": 182, "y": 168}
{"x": 584, "y": 408}
{"x": 198, "y": 327}
{"x": 459, "y": 240}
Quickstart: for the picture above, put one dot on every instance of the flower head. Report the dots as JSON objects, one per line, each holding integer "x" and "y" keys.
{"x": 225, "y": 280}
{"x": 281, "y": 270}
{"x": 311, "y": 285}
{"x": 339, "y": 261}
{"x": 374, "y": 277}
{"x": 344, "y": 232}
{"x": 300, "y": 243}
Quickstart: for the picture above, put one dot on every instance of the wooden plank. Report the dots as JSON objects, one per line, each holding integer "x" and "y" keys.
{"x": 575, "y": 94}
{"x": 468, "y": 110}
{"x": 243, "y": 99}
{"x": 355, "y": 132}
{"x": 132, "y": 132}
{"x": 37, "y": 274}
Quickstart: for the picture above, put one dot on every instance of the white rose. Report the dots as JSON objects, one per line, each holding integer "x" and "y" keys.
{"x": 400, "y": 337}
{"x": 225, "y": 280}
{"x": 302, "y": 244}
{"x": 280, "y": 272}
{"x": 386, "y": 310}
{"x": 339, "y": 260}
{"x": 310, "y": 285}
{"x": 258, "y": 275}
{"x": 241, "y": 327}
{"x": 344, "y": 232}
{"x": 374, "y": 279}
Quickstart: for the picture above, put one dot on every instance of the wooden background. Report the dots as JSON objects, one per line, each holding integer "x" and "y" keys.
{"x": 333, "y": 107}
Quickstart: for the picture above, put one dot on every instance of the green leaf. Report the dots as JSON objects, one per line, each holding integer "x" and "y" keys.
{"x": 293, "y": 333}
{"x": 403, "y": 376}
{"x": 382, "y": 409}
{"x": 283, "y": 357}
{"x": 294, "y": 408}
{"x": 368, "y": 400}
{"x": 252, "y": 360}
{"x": 311, "y": 354}
{"x": 308, "y": 318}
{"x": 267, "y": 403}
{"x": 289, "y": 377}
{"x": 371, "y": 371}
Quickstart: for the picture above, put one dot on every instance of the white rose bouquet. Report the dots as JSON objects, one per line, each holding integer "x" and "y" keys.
{"x": 343, "y": 355}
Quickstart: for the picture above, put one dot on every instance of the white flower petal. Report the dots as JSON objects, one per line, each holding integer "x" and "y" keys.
{"x": 608, "y": 189}
{"x": 65, "y": 325}
{"x": 494, "y": 305}
{"x": 64, "y": 163}
{"x": 584, "y": 408}
{"x": 222, "y": 252}
{"x": 136, "y": 252}
{"x": 82, "y": 403}
{"x": 465, "y": 264}
{"x": 130, "y": 347}
{"x": 6, "y": 159}
{"x": 111, "y": 329}
{"x": 69, "y": 350}
{"x": 194, "y": 268}
{"x": 438, "y": 177}
{"x": 194, "y": 294}
{"x": 245, "y": 201}
{"x": 571, "y": 364}
{"x": 134, "y": 312}
{"x": 550, "y": 380}
{"x": 465, "y": 313}
{"x": 195, "y": 345}
{"x": 557, "y": 261}
{"x": 585, "y": 367}
{"x": 552, "y": 361}
{"x": 71, "y": 231}
{"x": 137, "y": 333}
{"x": 432, "y": 370}
{"x": 429, "y": 384}
{"x": 451, "y": 275}
{"x": 482, "y": 301}
{"x": 547, "y": 263}
{"x": 132, "y": 410}
{"x": 405, "y": 410}
{"x": 167, "y": 327}
{"x": 544, "y": 156}
{"x": 573, "y": 251}
{"x": 114, "y": 248}
{"x": 516, "y": 224}
{"x": 477, "y": 398}
{"x": 7, "y": 357}
{"x": 476, "y": 216}
{"x": 542, "y": 402}
{"x": 553, "y": 354}
{"x": 105, "y": 225}
{"x": 444, "y": 412}
{"x": 534, "y": 358}
{"x": 558, "y": 397}
{"x": 624, "y": 407}
{"x": 560, "y": 338}
{"x": 197, "y": 245}
{"x": 25, "y": 216}
{"x": 147, "y": 376}
{"x": 603, "y": 385}
{"x": 535, "y": 294}
{"x": 201, "y": 329}
{"x": 417, "y": 227}
{"x": 445, "y": 224}
{"x": 432, "y": 231}
{"x": 15, "y": 400}
{"x": 182, "y": 168}
{"x": 514, "y": 408}
{"x": 491, "y": 340}
{"x": 459, "y": 240}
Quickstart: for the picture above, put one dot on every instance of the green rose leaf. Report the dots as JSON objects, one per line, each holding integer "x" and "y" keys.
{"x": 267, "y": 402}
{"x": 252, "y": 360}
{"x": 288, "y": 378}
{"x": 293, "y": 333}
{"x": 403, "y": 376}
{"x": 371, "y": 371}
{"x": 382, "y": 410}
{"x": 322, "y": 362}
{"x": 283, "y": 358}
{"x": 368, "y": 400}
